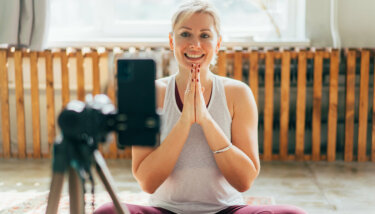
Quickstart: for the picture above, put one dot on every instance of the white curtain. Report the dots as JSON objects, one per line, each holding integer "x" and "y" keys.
{"x": 24, "y": 23}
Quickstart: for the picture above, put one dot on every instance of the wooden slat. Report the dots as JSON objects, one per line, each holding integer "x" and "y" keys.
{"x": 333, "y": 101}
{"x": 35, "y": 104}
{"x": 111, "y": 92}
{"x": 20, "y": 105}
{"x": 350, "y": 105}
{"x": 80, "y": 76}
{"x": 238, "y": 65}
{"x": 222, "y": 64}
{"x": 363, "y": 105}
{"x": 4, "y": 95}
{"x": 96, "y": 85}
{"x": 64, "y": 78}
{"x": 95, "y": 73}
{"x": 317, "y": 100}
{"x": 50, "y": 98}
{"x": 284, "y": 104}
{"x": 268, "y": 106}
{"x": 253, "y": 74}
{"x": 301, "y": 105}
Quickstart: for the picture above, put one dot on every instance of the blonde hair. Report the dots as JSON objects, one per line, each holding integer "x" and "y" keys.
{"x": 190, "y": 7}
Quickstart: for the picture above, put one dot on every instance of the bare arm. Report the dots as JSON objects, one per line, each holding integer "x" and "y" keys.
{"x": 152, "y": 166}
{"x": 240, "y": 164}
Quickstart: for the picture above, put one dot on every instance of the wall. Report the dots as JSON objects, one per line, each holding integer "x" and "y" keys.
{"x": 355, "y": 23}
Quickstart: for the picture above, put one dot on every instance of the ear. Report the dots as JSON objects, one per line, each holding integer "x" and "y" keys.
{"x": 171, "y": 41}
{"x": 218, "y": 45}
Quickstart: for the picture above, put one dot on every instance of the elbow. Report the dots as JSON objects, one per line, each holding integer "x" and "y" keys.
{"x": 248, "y": 183}
{"x": 147, "y": 188}
{"x": 146, "y": 185}
{"x": 245, "y": 186}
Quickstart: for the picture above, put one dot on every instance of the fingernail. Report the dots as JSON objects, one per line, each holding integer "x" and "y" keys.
{"x": 197, "y": 80}
{"x": 192, "y": 80}
{"x": 192, "y": 65}
{"x": 191, "y": 70}
{"x": 199, "y": 65}
{"x": 198, "y": 70}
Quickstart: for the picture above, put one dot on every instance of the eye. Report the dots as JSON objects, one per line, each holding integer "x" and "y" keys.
{"x": 185, "y": 34}
{"x": 205, "y": 36}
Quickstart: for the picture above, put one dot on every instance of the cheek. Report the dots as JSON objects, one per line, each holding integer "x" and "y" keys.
{"x": 180, "y": 43}
{"x": 210, "y": 47}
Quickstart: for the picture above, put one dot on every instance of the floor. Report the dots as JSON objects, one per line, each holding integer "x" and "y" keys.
{"x": 317, "y": 187}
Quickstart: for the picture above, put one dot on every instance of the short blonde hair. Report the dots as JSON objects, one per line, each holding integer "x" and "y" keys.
{"x": 190, "y": 7}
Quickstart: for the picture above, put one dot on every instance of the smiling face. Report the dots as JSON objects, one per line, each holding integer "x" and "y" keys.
{"x": 195, "y": 41}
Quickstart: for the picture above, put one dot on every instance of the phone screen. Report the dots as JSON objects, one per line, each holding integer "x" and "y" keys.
{"x": 138, "y": 122}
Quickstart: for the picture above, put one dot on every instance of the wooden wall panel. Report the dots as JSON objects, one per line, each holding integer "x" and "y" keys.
{"x": 333, "y": 101}
{"x": 222, "y": 64}
{"x": 301, "y": 105}
{"x": 50, "y": 98}
{"x": 238, "y": 65}
{"x": 268, "y": 107}
{"x": 317, "y": 100}
{"x": 253, "y": 74}
{"x": 350, "y": 105}
{"x": 65, "y": 94}
{"x": 284, "y": 104}
{"x": 20, "y": 105}
{"x": 4, "y": 93}
{"x": 363, "y": 105}
{"x": 35, "y": 104}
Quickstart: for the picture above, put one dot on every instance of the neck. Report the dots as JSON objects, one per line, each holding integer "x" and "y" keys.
{"x": 183, "y": 76}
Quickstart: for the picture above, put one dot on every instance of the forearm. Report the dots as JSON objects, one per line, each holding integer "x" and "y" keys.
{"x": 158, "y": 165}
{"x": 239, "y": 170}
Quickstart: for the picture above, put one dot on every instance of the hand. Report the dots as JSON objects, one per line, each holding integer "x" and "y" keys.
{"x": 201, "y": 112}
{"x": 188, "y": 112}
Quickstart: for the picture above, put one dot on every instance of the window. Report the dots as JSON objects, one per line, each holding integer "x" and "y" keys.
{"x": 116, "y": 20}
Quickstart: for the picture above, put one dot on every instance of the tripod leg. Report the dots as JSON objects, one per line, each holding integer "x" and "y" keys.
{"x": 54, "y": 193}
{"x": 107, "y": 180}
{"x": 76, "y": 199}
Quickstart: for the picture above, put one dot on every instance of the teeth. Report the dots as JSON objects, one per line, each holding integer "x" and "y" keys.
{"x": 194, "y": 55}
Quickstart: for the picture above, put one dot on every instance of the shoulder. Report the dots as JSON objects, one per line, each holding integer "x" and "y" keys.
{"x": 235, "y": 89}
{"x": 239, "y": 96}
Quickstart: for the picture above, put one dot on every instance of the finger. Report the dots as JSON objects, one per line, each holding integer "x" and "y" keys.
{"x": 189, "y": 81}
{"x": 192, "y": 85}
{"x": 198, "y": 79}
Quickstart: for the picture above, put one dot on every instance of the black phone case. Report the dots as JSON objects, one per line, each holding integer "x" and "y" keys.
{"x": 136, "y": 102}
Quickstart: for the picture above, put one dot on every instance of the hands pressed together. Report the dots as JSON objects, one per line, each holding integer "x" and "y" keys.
{"x": 195, "y": 110}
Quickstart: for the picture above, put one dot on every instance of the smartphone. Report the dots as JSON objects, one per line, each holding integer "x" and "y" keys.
{"x": 137, "y": 120}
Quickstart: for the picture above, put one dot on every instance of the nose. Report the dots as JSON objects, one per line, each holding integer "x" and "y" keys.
{"x": 194, "y": 43}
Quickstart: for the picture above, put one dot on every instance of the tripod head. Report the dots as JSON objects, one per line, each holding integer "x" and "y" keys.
{"x": 83, "y": 126}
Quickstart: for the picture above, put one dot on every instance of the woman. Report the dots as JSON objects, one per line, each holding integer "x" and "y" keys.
{"x": 209, "y": 144}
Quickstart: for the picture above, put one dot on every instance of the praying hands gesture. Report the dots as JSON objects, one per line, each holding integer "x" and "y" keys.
{"x": 195, "y": 110}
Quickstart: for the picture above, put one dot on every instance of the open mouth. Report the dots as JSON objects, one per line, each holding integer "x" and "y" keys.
{"x": 194, "y": 56}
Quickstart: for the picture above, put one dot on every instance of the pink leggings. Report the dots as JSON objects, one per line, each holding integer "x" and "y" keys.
{"x": 237, "y": 209}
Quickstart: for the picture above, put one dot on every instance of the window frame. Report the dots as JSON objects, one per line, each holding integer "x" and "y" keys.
{"x": 105, "y": 33}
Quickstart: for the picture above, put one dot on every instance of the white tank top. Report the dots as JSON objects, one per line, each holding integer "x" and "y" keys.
{"x": 196, "y": 185}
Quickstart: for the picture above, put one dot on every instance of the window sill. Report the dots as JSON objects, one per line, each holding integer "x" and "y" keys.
{"x": 164, "y": 43}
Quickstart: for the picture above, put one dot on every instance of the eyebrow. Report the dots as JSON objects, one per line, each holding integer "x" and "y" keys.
{"x": 206, "y": 29}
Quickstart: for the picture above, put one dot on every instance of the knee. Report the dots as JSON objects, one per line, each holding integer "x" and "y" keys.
{"x": 107, "y": 208}
{"x": 291, "y": 209}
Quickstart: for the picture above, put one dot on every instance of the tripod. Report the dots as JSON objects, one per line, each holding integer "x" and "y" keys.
{"x": 76, "y": 151}
{"x": 75, "y": 187}
{"x": 83, "y": 126}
